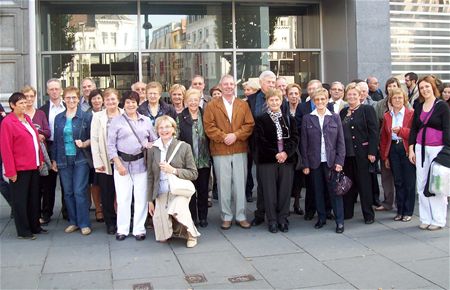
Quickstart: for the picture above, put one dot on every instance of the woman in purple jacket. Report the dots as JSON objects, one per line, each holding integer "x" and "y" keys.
{"x": 323, "y": 150}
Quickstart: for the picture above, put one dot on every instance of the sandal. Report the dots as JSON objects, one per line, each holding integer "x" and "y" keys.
{"x": 380, "y": 208}
{"x": 406, "y": 218}
{"x": 399, "y": 218}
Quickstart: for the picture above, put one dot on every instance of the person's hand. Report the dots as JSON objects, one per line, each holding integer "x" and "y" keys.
{"x": 371, "y": 158}
{"x": 338, "y": 168}
{"x": 41, "y": 138}
{"x": 3, "y": 114}
{"x": 412, "y": 157}
{"x": 13, "y": 178}
{"x": 41, "y": 165}
{"x": 387, "y": 164}
{"x": 151, "y": 208}
{"x": 306, "y": 171}
{"x": 100, "y": 169}
{"x": 79, "y": 143}
{"x": 54, "y": 167}
{"x": 396, "y": 129}
{"x": 148, "y": 145}
{"x": 230, "y": 139}
{"x": 121, "y": 169}
{"x": 166, "y": 167}
{"x": 281, "y": 157}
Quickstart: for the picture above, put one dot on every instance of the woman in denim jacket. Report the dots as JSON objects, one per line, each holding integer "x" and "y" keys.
{"x": 72, "y": 134}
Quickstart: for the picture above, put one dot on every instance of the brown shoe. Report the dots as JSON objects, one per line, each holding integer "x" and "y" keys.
{"x": 226, "y": 225}
{"x": 380, "y": 208}
{"x": 244, "y": 224}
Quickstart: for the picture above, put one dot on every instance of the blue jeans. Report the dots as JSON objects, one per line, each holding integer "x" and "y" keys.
{"x": 75, "y": 180}
{"x": 404, "y": 179}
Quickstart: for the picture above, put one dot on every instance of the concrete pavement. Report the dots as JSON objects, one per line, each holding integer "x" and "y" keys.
{"x": 385, "y": 255}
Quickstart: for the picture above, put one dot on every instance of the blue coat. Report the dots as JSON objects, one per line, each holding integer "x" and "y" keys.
{"x": 310, "y": 142}
{"x": 81, "y": 129}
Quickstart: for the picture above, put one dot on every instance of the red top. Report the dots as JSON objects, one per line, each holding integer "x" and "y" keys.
{"x": 17, "y": 147}
{"x": 386, "y": 132}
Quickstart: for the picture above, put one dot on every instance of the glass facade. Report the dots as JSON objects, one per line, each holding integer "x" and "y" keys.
{"x": 420, "y": 37}
{"x": 119, "y": 42}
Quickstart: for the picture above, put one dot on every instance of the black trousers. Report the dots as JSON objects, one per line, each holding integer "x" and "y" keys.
{"x": 276, "y": 185}
{"x": 108, "y": 195}
{"x": 249, "y": 184}
{"x": 25, "y": 202}
{"x": 199, "y": 200}
{"x": 357, "y": 169}
{"x": 260, "y": 211}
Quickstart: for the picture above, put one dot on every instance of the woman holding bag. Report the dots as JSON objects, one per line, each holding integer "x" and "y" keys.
{"x": 171, "y": 215}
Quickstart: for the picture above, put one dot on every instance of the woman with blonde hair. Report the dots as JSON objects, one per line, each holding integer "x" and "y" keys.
{"x": 171, "y": 215}
{"x": 177, "y": 94}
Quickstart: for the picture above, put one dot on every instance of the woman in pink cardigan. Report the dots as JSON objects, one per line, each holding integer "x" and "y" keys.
{"x": 22, "y": 157}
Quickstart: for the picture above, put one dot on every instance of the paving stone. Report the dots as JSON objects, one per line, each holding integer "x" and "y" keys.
{"x": 393, "y": 246}
{"x": 356, "y": 228}
{"x": 257, "y": 284}
{"x": 77, "y": 280}
{"x": 436, "y": 270}
{"x": 259, "y": 242}
{"x": 294, "y": 271}
{"x": 331, "y": 246}
{"x": 77, "y": 258}
{"x": 167, "y": 282}
{"x": 22, "y": 277}
{"x": 217, "y": 266}
{"x": 23, "y": 253}
{"x": 135, "y": 263}
{"x": 376, "y": 272}
{"x": 332, "y": 286}
{"x": 63, "y": 239}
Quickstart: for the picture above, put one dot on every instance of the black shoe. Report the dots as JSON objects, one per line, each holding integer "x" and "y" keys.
{"x": 249, "y": 199}
{"x": 330, "y": 216}
{"x": 140, "y": 237}
{"x": 257, "y": 221}
{"x": 111, "y": 230}
{"x": 42, "y": 231}
{"x": 298, "y": 210}
{"x": 273, "y": 228}
{"x": 203, "y": 223}
{"x": 339, "y": 228}
{"x": 320, "y": 224}
{"x": 283, "y": 228}
{"x": 368, "y": 222}
{"x": 376, "y": 203}
{"x": 309, "y": 216}
{"x": 120, "y": 237}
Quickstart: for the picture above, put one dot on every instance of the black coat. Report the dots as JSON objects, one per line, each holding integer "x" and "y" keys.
{"x": 164, "y": 108}
{"x": 185, "y": 127}
{"x": 364, "y": 128}
{"x": 266, "y": 138}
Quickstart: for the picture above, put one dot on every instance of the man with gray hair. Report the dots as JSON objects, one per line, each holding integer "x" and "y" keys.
{"x": 198, "y": 82}
{"x": 374, "y": 88}
{"x": 87, "y": 86}
{"x": 337, "y": 96}
{"x": 365, "y": 98}
{"x": 281, "y": 84}
{"x": 228, "y": 123}
{"x": 140, "y": 88}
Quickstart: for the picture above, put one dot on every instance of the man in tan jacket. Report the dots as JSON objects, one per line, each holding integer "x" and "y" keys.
{"x": 228, "y": 122}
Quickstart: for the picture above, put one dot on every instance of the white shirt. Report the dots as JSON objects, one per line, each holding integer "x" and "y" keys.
{"x": 229, "y": 107}
{"x": 397, "y": 121}
{"x": 35, "y": 141}
{"x": 52, "y": 112}
{"x": 323, "y": 152}
{"x": 84, "y": 104}
{"x": 336, "y": 105}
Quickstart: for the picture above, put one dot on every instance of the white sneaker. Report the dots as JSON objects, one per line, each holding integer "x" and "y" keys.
{"x": 71, "y": 229}
{"x": 86, "y": 231}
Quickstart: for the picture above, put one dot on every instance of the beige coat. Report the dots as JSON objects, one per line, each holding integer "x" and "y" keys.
{"x": 99, "y": 141}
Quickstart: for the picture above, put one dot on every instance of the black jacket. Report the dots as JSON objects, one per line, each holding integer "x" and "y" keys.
{"x": 266, "y": 138}
{"x": 46, "y": 108}
{"x": 364, "y": 128}
{"x": 185, "y": 127}
{"x": 164, "y": 109}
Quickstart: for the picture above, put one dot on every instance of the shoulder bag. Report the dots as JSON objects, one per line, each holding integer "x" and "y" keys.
{"x": 340, "y": 183}
{"x": 86, "y": 152}
{"x": 179, "y": 186}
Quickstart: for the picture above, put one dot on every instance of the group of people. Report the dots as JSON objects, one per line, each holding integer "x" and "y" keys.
{"x": 118, "y": 152}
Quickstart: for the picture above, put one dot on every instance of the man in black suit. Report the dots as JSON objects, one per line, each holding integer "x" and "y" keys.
{"x": 51, "y": 108}
{"x": 302, "y": 110}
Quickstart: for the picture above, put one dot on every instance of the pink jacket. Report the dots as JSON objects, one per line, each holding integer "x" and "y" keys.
{"x": 16, "y": 146}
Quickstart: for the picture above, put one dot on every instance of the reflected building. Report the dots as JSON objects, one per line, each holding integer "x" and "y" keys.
{"x": 120, "y": 42}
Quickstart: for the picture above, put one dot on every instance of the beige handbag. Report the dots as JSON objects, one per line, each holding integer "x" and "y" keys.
{"x": 179, "y": 186}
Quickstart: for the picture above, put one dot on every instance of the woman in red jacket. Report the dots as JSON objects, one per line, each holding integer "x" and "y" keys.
{"x": 22, "y": 157}
{"x": 394, "y": 152}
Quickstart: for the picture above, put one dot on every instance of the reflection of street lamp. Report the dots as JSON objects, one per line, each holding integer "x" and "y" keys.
{"x": 147, "y": 26}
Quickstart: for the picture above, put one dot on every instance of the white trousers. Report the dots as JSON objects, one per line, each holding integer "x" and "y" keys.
{"x": 231, "y": 173}
{"x": 433, "y": 209}
{"x": 126, "y": 187}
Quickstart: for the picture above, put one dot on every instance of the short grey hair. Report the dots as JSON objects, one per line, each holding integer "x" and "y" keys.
{"x": 53, "y": 80}
{"x": 266, "y": 74}
{"x": 227, "y": 76}
{"x": 339, "y": 84}
{"x": 362, "y": 85}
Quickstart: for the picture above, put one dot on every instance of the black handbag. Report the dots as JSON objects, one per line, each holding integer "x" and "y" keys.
{"x": 340, "y": 183}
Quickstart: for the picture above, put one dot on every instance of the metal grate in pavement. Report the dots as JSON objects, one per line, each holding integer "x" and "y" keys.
{"x": 241, "y": 278}
{"x": 195, "y": 278}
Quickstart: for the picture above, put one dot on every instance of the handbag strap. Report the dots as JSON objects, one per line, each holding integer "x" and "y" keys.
{"x": 132, "y": 129}
{"x": 174, "y": 152}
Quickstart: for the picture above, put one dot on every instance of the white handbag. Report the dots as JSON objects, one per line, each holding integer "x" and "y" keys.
{"x": 439, "y": 182}
{"x": 179, "y": 186}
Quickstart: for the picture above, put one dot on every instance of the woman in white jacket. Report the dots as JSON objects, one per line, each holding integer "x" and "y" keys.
{"x": 102, "y": 164}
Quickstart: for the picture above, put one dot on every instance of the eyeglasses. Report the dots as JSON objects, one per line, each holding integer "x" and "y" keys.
{"x": 70, "y": 98}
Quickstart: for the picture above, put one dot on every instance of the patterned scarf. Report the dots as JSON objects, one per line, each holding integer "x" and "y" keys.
{"x": 275, "y": 116}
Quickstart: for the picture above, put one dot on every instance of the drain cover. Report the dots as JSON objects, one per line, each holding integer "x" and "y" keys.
{"x": 195, "y": 278}
{"x": 242, "y": 278}
{"x": 143, "y": 286}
